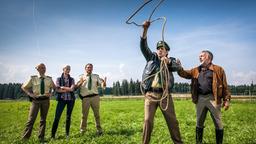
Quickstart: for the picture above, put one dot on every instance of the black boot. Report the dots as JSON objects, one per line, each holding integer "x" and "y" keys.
{"x": 199, "y": 135}
{"x": 219, "y": 136}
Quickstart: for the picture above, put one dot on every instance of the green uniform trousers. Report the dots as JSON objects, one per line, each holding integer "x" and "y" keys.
{"x": 36, "y": 105}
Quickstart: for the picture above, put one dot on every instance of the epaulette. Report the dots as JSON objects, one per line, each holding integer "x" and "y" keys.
{"x": 34, "y": 76}
{"x": 96, "y": 75}
{"x": 48, "y": 77}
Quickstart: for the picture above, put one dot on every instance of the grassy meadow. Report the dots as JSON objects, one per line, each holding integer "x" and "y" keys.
{"x": 122, "y": 122}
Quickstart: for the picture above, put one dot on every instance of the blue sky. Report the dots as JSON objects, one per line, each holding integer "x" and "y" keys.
{"x": 60, "y": 32}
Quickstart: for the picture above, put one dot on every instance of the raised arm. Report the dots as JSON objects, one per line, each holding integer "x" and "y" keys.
{"x": 80, "y": 82}
{"x": 103, "y": 82}
{"x": 143, "y": 42}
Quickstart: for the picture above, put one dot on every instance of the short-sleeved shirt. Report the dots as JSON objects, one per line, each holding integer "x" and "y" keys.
{"x": 34, "y": 83}
{"x": 96, "y": 82}
{"x": 66, "y": 95}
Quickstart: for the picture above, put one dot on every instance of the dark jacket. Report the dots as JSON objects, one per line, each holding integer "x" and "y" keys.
{"x": 219, "y": 83}
{"x": 153, "y": 66}
{"x": 62, "y": 83}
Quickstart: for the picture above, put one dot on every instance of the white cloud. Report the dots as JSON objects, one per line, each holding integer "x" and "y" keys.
{"x": 13, "y": 73}
{"x": 238, "y": 77}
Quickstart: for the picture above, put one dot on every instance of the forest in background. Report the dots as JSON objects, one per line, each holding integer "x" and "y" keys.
{"x": 124, "y": 88}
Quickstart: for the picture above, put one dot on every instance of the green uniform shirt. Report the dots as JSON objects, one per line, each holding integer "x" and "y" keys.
{"x": 96, "y": 82}
{"x": 34, "y": 83}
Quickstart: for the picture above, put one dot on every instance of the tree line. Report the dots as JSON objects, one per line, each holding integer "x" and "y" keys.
{"x": 124, "y": 88}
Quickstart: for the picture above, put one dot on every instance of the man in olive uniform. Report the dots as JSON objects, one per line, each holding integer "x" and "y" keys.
{"x": 39, "y": 88}
{"x": 154, "y": 90}
{"x": 89, "y": 94}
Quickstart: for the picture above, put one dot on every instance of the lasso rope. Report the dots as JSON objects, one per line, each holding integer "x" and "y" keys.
{"x": 150, "y": 16}
{"x": 164, "y": 71}
{"x": 164, "y": 76}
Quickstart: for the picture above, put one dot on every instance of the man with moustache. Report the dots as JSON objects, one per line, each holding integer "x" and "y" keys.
{"x": 88, "y": 85}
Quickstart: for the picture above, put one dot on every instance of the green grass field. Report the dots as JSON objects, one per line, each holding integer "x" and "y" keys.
{"x": 122, "y": 121}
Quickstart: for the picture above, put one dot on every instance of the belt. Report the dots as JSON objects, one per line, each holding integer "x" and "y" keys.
{"x": 205, "y": 93}
{"x": 42, "y": 98}
{"x": 156, "y": 90}
{"x": 87, "y": 96}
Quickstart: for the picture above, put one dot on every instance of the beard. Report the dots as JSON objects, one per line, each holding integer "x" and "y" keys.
{"x": 205, "y": 62}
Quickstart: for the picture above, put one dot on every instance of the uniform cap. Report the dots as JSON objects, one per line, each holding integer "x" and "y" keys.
{"x": 162, "y": 44}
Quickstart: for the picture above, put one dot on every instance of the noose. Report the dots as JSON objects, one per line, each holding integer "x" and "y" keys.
{"x": 164, "y": 71}
{"x": 128, "y": 21}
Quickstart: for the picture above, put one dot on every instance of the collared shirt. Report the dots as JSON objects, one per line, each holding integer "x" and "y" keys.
{"x": 205, "y": 81}
{"x": 96, "y": 82}
{"x": 220, "y": 88}
{"x": 34, "y": 83}
{"x": 66, "y": 95}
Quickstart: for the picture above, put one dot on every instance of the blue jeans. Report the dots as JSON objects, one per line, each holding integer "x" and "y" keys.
{"x": 60, "y": 107}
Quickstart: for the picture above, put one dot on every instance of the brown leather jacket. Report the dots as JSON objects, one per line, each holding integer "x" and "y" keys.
{"x": 219, "y": 83}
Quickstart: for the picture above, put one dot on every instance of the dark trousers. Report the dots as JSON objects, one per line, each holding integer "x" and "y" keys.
{"x": 60, "y": 107}
{"x": 36, "y": 105}
{"x": 150, "y": 108}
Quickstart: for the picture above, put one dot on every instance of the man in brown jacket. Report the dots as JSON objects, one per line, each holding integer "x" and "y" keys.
{"x": 209, "y": 88}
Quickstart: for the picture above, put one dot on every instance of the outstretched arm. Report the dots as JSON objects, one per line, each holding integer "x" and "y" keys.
{"x": 187, "y": 74}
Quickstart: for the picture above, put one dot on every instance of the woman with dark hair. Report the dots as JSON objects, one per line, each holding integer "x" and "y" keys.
{"x": 65, "y": 96}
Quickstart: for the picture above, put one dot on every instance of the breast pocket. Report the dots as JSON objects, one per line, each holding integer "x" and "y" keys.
{"x": 36, "y": 87}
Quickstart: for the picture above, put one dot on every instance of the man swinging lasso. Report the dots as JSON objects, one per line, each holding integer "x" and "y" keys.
{"x": 154, "y": 88}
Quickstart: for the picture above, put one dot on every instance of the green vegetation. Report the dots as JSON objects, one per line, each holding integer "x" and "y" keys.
{"x": 122, "y": 121}
{"x": 124, "y": 88}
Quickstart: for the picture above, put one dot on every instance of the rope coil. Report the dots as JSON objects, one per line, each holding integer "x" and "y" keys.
{"x": 164, "y": 71}
{"x": 164, "y": 76}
